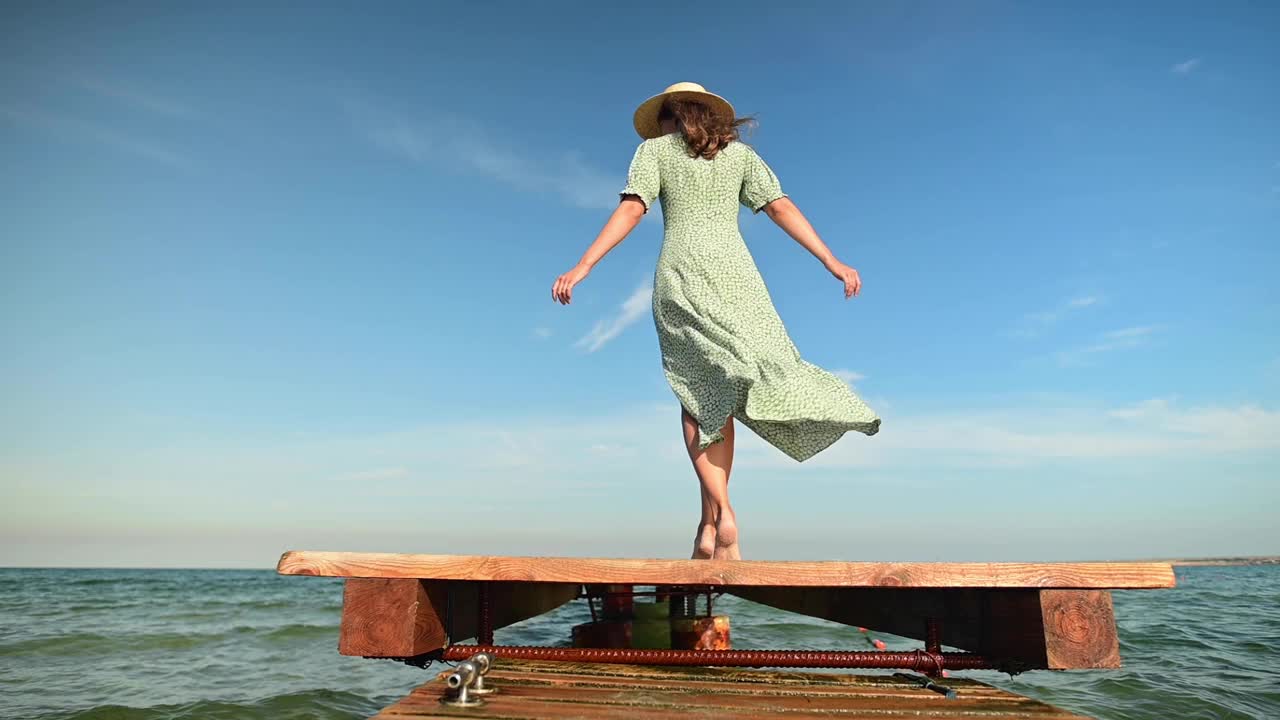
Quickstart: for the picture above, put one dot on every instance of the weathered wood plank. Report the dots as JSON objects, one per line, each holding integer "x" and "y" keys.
{"x": 727, "y": 687}
{"x": 399, "y": 617}
{"x": 569, "y": 690}
{"x": 728, "y": 572}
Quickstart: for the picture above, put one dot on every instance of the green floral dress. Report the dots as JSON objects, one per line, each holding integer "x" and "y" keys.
{"x": 724, "y": 348}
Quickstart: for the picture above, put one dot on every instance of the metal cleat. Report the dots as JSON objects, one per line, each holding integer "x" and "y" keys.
{"x": 460, "y": 681}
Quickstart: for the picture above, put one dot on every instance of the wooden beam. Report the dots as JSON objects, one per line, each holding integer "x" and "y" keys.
{"x": 1079, "y": 629}
{"x": 729, "y": 572}
{"x": 391, "y": 618}
{"x": 403, "y": 617}
{"x": 1029, "y": 628}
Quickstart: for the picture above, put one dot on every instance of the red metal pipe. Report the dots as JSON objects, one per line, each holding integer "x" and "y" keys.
{"x": 918, "y": 660}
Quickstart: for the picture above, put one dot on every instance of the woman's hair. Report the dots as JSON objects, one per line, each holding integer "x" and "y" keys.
{"x": 705, "y": 132}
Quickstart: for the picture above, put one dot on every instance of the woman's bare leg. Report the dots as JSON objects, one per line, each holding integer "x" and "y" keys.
{"x": 713, "y": 466}
{"x": 704, "y": 540}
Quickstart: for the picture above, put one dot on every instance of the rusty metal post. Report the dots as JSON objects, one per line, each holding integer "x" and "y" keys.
{"x": 933, "y": 646}
{"x": 484, "y": 633}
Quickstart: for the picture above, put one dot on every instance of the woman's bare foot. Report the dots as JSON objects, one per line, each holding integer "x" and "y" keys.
{"x": 726, "y": 537}
{"x": 704, "y": 543}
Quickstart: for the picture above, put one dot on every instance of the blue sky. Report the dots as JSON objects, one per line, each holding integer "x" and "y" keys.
{"x": 277, "y": 279}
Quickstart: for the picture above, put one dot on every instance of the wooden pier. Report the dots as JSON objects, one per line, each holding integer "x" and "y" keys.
{"x": 636, "y": 692}
{"x": 1009, "y": 616}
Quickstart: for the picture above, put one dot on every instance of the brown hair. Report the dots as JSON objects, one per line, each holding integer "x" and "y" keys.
{"x": 705, "y": 132}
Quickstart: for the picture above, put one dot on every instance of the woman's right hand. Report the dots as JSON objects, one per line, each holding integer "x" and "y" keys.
{"x": 562, "y": 290}
{"x": 848, "y": 276}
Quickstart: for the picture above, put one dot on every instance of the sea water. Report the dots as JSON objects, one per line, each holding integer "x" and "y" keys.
{"x": 173, "y": 644}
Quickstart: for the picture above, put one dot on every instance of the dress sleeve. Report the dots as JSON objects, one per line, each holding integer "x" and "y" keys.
{"x": 643, "y": 178}
{"x": 759, "y": 185}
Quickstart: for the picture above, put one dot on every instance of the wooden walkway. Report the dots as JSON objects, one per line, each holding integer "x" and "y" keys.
{"x": 560, "y": 691}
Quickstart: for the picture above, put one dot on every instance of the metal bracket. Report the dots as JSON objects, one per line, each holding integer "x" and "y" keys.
{"x": 928, "y": 684}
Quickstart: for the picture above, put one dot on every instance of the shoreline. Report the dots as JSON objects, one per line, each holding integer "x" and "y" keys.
{"x": 1225, "y": 561}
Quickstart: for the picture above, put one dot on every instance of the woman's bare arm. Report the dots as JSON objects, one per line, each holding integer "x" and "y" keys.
{"x": 623, "y": 220}
{"x": 787, "y": 216}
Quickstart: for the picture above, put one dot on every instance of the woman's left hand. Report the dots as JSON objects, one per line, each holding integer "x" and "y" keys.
{"x": 562, "y": 290}
{"x": 848, "y": 276}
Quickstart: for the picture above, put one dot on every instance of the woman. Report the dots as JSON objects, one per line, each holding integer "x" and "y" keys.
{"x": 725, "y": 352}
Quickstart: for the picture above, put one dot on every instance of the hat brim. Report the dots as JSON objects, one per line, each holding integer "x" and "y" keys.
{"x": 646, "y": 117}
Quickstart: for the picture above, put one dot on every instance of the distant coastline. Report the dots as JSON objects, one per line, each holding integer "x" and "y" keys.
{"x": 1256, "y": 560}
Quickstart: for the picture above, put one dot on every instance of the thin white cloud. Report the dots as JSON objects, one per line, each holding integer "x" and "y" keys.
{"x": 609, "y": 328}
{"x": 400, "y": 139}
{"x": 1185, "y": 67}
{"x": 542, "y": 333}
{"x": 1122, "y": 339}
{"x": 562, "y": 465}
{"x": 1035, "y": 324}
{"x": 464, "y": 146}
{"x": 1142, "y": 410}
{"x": 135, "y": 97}
{"x": 548, "y": 448}
{"x": 849, "y": 376}
{"x": 1129, "y": 333}
{"x": 1023, "y": 436}
{"x": 67, "y": 126}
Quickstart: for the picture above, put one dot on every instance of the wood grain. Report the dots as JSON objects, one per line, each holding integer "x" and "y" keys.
{"x": 747, "y": 573}
{"x": 390, "y": 618}
{"x": 1079, "y": 629}
{"x": 571, "y": 690}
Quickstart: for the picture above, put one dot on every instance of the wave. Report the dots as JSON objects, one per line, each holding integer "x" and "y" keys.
{"x": 306, "y": 705}
{"x": 98, "y": 644}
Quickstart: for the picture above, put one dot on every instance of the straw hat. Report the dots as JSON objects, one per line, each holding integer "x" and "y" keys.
{"x": 646, "y": 117}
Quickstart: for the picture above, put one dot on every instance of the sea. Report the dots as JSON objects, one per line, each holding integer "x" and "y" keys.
{"x": 177, "y": 644}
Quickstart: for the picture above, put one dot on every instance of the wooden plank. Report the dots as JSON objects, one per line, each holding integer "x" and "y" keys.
{"x": 630, "y": 692}
{"x": 1046, "y": 629}
{"x": 728, "y": 572}
{"x": 401, "y": 618}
